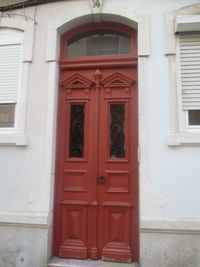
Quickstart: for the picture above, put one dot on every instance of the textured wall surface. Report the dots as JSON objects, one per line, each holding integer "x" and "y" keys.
{"x": 23, "y": 246}
{"x": 170, "y": 250}
{"x": 171, "y": 173}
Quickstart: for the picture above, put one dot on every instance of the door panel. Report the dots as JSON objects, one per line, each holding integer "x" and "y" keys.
{"x": 117, "y": 161}
{"x": 96, "y": 205}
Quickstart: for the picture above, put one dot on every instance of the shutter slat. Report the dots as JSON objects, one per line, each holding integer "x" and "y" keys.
{"x": 190, "y": 38}
{"x": 189, "y": 45}
{"x": 189, "y": 55}
{"x": 190, "y": 79}
{"x": 190, "y": 70}
{"x": 193, "y": 93}
{"x": 192, "y": 50}
{"x": 192, "y": 60}
{"x": 190, "y": 95}
{"x": 189, "y": 88}
{"x": 189, "y": 84}
{"x": 191, "y": 74}
{"x": 10, "y": 56}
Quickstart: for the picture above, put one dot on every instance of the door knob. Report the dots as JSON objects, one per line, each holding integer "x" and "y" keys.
{"x": 101, "y": 179}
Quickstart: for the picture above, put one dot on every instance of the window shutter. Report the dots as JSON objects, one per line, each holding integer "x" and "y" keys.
{"x": 190, "y": 71}
{"x": 10, "y": 62}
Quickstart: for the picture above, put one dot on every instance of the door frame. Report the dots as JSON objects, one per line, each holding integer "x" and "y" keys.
{"x": 102, "y": 61}
{"x": 90, "y": 62}
{"x": 76, "y": 16}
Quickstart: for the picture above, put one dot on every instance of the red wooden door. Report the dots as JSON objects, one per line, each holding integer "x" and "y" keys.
{"x": 96, "y": 208}
{"x": 96, "y": 188}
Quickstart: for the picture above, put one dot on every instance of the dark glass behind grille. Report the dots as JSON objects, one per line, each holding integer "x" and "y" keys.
{"x": 194, "y": 117}
{"x": 99, "y": 42}
{"x": 117, "y": 135}
{"x": 76, "y": 139}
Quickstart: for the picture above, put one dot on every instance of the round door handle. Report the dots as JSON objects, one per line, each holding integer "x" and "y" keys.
{"x": 101, "y": 179}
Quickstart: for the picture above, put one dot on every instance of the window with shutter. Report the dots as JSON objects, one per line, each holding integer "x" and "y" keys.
{"x": 16, "y": 49}
{"x": 183, "y": 51}
{"x": 189, "y": 49}
{"x": 10, "y": 69}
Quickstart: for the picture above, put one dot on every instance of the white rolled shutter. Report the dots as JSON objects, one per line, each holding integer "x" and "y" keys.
{"x": 10, "y": 64}
{"x": 10, "y": 61}
{"x": 190, "y": 71}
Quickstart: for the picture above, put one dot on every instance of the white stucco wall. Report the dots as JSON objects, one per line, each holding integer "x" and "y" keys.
{"x": 172, "y": 172}
{"x": 169, "y": 175}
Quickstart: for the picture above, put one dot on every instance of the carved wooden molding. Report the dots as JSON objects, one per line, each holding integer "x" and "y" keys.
{"x": 102, "y": 62}
{"x": 77, "y": 81}
{"x": 117, "y": 80}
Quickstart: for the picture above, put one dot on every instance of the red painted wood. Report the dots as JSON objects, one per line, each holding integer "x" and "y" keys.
{"x": 118, "y": 198}
{"x": 92, "y": 220}
{"x": 102, "y": 62}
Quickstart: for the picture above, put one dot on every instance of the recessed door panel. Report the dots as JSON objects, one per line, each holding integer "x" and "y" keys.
{"x": 73, "y": 230}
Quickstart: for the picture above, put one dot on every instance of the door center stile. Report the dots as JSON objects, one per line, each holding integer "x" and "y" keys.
{"x": 97, "y": 78}
{"x": 93, "y": 235}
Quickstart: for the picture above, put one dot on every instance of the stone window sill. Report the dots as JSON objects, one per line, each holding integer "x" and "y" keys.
{"x": 13, "y": 139}
{"x": 183, "y": 139}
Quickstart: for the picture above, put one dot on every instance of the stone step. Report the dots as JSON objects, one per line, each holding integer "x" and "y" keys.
{"x": 58, "y": 262}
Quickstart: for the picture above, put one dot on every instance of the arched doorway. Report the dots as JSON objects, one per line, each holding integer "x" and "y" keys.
{"x": 96, "y": 190}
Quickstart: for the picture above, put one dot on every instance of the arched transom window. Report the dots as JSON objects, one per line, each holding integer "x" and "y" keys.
{"x": 98, "y": 42}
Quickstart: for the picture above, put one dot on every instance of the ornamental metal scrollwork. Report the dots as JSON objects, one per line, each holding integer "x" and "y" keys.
{"x": 117, "y": 135}
{"x": 76, "y": 146}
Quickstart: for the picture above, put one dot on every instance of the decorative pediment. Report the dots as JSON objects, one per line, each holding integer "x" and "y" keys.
{"x": 77, "y": 81}
{"x": 117, "y": 79}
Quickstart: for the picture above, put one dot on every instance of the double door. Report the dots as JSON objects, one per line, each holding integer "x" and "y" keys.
{"x": 96, "y": 190}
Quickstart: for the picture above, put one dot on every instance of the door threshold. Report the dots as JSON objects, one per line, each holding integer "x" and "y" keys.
{"x": 59, "y": 262}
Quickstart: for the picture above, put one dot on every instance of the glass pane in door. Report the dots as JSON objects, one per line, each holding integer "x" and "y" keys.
{"x": 76, "y": 138}
{"x": 117, "y": 131}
